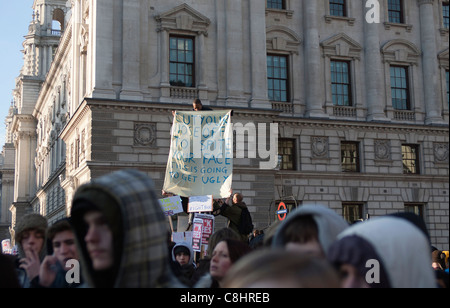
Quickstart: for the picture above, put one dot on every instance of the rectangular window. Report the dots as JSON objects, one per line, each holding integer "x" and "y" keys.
{"x": 352, "y": 212}
{"x": 400, "y": 88}
{"x": 286, "y": 154}
{"x": 446, "y": 80}
{"x": 337, "y": 8}
{"x": 277, "y": 78}
{"x": 410, "y": 159}
{"x": 276, "y": 4}
{"x": 182, "y": 62}
{"x": 340, "y": 83}
{"x": 415, "y": 208}
{"x": 445, "y": 14}
{"x": 395, "y": 10}
{"x": 350, "y": 157}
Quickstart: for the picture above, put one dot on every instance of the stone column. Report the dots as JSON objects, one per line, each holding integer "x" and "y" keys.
{"x": 375, "y": 100}
{"x": 234, "y": 52}
{"x": 433, "y": 106}
{"x": 103, "y": 66}
{"x": 131, "y": 51}
{"x": 258, "y": 54}
{"x": 313, "y": 72}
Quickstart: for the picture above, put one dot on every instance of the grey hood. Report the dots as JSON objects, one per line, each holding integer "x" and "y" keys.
{"x": 329, "y": 224}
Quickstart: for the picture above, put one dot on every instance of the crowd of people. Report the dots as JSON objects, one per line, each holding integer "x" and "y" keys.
{"x": 120, "y": 237}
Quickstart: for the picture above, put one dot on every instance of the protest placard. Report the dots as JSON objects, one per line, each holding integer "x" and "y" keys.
{"x": 171, "y": 205}
{"x": 182, "y": 237}
{"x": 197, "y": 234}
{"x": 201, "y": 154}
{"x": 208, "y": 226}
{"x": 199, "y": 204}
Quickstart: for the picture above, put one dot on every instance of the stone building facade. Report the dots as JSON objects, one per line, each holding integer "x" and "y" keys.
{"x": 362, "y": 108}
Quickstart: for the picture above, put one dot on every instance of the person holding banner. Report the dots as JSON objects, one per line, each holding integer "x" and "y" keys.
{"x": 232, "y": 209}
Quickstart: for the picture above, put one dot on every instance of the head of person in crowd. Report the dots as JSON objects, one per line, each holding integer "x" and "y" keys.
{"x": 225, "y": 254}
{"x": 62, "y": 242}
{"x": 438, "y": 260}
{"x": 62, "y": 251}
{"x": 383, "y": 252}
{"x": 30, "y": 237}
{"x": 121, "y": 232}
{"x": 309, "y": 229}
{"x": 220, "y": 235}
{"x": 238, "y": 198}
{"x": 183, "y": 254}
{"x": 8, "y": 277}
{"x": 281, "y": 269}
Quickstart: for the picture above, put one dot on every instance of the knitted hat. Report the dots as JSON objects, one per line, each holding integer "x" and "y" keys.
{"x": 30, "y": 222}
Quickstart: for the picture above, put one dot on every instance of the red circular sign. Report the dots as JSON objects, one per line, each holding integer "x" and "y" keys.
{"x": 282, "y": 211}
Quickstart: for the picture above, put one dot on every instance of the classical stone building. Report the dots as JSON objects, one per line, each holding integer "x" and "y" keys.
{"x": 362, "y": 107}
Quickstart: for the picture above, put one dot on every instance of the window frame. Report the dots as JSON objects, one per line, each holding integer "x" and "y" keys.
{"x": 281, "y": 154}
{"x": 407, "y": 88}
{"x": 406, "y": 158}
{"x": 287, "y": 79}
{"x": 343, "y": 6}
{"x": 445, "y": 18}
{"x": 193, "y": 64}
{"x": 418, "y": 208}
{"x": 401, "y": 12}
{"x": 276, "y": 2}
{"x": 356, "y": 165}
{"x": 360, "y": 209}
{"x": 343, "y": 84}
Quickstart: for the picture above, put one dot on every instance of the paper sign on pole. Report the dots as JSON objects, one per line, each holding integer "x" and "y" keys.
{"x": 171, "y": 205}
{"x": 201, "y": 154}
{"x": 199, "y": 204}
{"x": 182, "y": 237}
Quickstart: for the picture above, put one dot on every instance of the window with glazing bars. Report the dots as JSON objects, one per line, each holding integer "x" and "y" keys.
{"x": 410, "y": 159}
{"x": 445, "y": 14}
{"x": 286, "y": 154}
{"x": 338, "y": 8}
{"x": 395, "y": 10}
{"x": 352, "y": 212}
{"x": 277, "y": 78}
{"x": 350, "y": 156}
{"x": 182, "y": 61}
{"x": 340, "y": 83}
{"x": 276, "y": 4}
{"x": 400, "y": 88}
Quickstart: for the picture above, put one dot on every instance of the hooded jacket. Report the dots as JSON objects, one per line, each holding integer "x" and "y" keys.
{"x": 403, "y": 249}
{"x": 139, "y": 229}
{"x": 329, "y": 225}
{"x": 191, "y": 252}
{"x": 31, "y": 221}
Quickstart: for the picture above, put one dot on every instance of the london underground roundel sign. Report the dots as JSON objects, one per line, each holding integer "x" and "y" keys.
{"x": 282, "y": 211}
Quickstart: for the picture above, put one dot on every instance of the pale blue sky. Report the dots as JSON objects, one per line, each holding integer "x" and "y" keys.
{"x": 16, "y": 17}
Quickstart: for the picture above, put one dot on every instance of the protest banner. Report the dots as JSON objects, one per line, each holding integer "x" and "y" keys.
{"x": 171, "y": 205}
{"x": 208, "y": 226}
{"x": 199, "y": 204}
{"x": 201, "y": 154}
{"x": 197, "y": 234}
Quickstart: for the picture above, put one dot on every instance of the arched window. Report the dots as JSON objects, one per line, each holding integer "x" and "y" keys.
{"x": 58, "y": 22}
